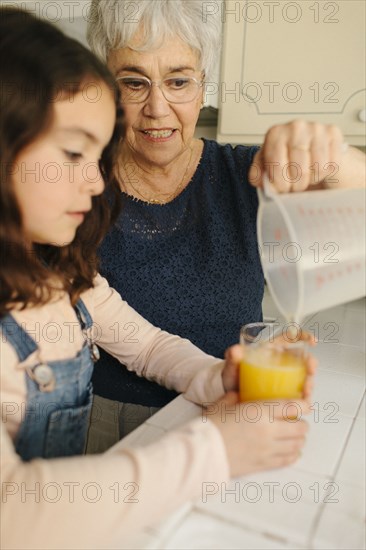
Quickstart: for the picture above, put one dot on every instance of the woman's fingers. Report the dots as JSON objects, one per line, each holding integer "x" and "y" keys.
{"x": 297, "y": 155}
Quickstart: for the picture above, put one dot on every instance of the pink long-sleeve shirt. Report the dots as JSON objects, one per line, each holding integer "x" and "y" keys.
{"x": 81, "y": 502}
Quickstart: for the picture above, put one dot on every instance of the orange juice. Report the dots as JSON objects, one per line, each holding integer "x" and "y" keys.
{"x": 269, "y": 373}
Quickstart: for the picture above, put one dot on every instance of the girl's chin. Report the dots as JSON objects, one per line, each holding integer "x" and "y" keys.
{"x": 57, "y": 241}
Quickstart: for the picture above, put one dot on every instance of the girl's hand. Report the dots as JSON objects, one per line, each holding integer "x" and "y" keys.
{"x": 274, "y": 440}
{"x": 234, "y": 354}
{"x": 297, "y": 155}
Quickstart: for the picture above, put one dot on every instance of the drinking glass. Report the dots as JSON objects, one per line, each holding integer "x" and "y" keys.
{"x": 273, "y": 364}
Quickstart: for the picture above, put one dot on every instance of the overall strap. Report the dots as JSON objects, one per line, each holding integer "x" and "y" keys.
{"x": 83, "y": 315}
{"x": 86, "y": 323}
{"x": 13, "y": 333}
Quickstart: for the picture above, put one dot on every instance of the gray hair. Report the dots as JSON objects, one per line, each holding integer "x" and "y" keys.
{"x": 113, "y": 23}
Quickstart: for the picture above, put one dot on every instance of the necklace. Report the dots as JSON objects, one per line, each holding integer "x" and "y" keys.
{"x": 153, "y": 199}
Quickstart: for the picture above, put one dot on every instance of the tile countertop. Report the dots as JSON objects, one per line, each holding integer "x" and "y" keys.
{"x": 319, "y": 502}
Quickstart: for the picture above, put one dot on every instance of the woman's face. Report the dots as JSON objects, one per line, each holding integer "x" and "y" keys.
{"x": 177, "y": 120}
{"x": 56, "y": 175}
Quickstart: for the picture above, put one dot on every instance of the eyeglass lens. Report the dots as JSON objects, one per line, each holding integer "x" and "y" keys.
{"x": 175, "y": 90}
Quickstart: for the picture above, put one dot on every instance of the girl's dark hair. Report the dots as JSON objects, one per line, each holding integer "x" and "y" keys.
{"x": 38, "y": 65}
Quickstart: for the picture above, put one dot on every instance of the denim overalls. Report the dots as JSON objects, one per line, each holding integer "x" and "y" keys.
{"x": 55, "y": 416}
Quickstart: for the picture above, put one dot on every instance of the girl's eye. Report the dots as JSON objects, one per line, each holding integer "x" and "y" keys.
{"x": 73, "y": 156}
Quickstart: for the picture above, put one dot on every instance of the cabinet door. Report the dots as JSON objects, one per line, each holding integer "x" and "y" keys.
{"x": 284, "y": 60}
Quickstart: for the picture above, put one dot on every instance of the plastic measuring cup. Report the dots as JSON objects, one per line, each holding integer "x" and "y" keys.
{"x": 312, "y": 247}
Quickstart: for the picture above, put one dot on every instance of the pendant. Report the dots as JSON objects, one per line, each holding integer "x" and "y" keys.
{"x": 45, "y": 378}
{"x": 94, "y": 352}
{"x": 154, "y": 201}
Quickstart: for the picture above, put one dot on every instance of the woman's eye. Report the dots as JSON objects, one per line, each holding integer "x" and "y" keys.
{"x": 73, "y": 155}
{"x": 177, "y": 83}
{"x": 136, "y": 84}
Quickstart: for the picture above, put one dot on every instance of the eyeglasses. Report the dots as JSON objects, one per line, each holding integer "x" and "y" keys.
{"x": 181, "y": 89}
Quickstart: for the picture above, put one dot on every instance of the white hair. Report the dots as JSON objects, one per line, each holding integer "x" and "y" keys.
{"x": 112, "y": 25}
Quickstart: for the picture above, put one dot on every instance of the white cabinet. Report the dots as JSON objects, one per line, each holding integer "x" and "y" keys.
{"x": 284, "y": 60}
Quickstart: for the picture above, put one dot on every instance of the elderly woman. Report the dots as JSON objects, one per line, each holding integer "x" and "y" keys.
{"x": 184, "y": 250}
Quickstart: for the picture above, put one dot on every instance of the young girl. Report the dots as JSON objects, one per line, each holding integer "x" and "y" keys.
{"x": 59, "y": 127}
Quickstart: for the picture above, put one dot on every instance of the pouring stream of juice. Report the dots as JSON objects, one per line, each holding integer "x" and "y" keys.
{"x": 292, "y": 321}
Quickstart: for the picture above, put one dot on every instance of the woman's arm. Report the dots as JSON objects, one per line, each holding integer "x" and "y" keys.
{"x": 352, "y": 171}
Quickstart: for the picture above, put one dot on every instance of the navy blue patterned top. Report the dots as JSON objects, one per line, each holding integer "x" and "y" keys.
{"x": 190, "y": 266}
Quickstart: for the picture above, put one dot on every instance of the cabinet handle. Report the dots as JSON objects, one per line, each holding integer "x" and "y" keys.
{"x": 362, "y": 115}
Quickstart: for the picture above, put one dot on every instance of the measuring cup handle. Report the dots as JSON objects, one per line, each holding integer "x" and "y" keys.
{"x": 267, "y": 191}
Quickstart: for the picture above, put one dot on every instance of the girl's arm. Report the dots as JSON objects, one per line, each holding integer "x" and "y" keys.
{"x": 150, "y": 352}
{"x": 96, "y": 501}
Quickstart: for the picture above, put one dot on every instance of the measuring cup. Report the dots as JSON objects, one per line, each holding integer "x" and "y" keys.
{"x": 312, "y": 247}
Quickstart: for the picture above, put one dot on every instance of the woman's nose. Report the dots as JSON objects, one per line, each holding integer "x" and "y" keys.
{"x": 156, "y": 106}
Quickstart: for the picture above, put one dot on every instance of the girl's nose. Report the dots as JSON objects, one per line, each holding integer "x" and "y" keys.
{"x": 93, "y": 178}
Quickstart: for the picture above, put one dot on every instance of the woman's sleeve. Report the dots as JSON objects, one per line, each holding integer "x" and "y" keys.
{"x": 169, "y": 360}
{"x": 96, "y": 501}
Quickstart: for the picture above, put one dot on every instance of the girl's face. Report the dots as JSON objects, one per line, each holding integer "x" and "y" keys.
{"x": 57, "y": 174}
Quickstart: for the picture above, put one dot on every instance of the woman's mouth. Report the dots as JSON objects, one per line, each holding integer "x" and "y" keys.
{"x": 161, "y": 134}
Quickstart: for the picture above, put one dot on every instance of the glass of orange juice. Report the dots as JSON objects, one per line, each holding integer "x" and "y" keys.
{"x": 273, "y": 365}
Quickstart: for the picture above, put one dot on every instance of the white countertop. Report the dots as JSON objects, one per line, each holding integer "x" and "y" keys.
{"x": 318, "y": 503}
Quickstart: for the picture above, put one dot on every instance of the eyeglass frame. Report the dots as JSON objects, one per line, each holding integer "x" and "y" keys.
{"x": 158, "y": 83}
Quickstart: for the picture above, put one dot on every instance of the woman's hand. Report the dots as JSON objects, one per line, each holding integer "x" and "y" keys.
{"x": 234, "y": 354}
{"x": 301, "y": 154}
{"x": 273, "y": 440}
